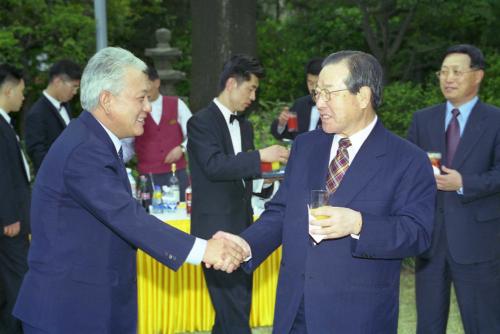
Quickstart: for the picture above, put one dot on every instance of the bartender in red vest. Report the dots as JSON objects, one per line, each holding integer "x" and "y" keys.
{"x": 164, "y": 139}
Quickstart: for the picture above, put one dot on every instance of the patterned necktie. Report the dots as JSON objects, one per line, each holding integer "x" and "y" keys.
{"x": 338, "y": 166}
{"x": 452, "y": 137}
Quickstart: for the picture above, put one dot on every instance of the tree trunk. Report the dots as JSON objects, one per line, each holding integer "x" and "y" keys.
{"x": 220, "y": 29}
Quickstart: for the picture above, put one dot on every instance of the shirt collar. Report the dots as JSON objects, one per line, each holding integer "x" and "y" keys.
{"x": 359, "y": 137}
{"x": 465, "y": 109}
{"x": 55, "y": 102}
{"x": 116, "y": 142}
{"x": 224, "y": 110}
{"x": 5, "y": 115}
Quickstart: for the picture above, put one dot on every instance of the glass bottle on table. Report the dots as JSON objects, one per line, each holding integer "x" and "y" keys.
{"x": 174, "y": 185}
{"x": 143, "y": 194}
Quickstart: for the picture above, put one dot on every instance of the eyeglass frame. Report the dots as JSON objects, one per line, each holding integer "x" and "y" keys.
{"x": 327, "y": 94}
{"x": 456, "y": 73}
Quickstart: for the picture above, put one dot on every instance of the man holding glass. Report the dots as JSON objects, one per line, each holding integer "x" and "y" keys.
{"x": 465, "y": 246}
{"x": 380, "y": 210}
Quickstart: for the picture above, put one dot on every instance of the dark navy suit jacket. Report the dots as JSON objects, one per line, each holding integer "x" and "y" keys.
{"x": 348, "y": 285}
{"x": 471, "y": 220}
{"x": 86, "y": 228}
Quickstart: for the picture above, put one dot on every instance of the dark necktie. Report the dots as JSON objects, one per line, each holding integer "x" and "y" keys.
{"x": 120, "y": 153}
{"x": 452, "y": 137}
{"x": 235, "y": 117}
{"x": 338, "y": 167}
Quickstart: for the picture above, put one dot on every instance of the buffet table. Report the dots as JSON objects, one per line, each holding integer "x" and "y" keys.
{"x": 172, "y": 302}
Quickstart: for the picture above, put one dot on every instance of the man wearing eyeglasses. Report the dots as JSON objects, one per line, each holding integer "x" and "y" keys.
{"x": 340, "y": 271}
{"x": 51, "y": 113}
{"x": 465, "y": 247}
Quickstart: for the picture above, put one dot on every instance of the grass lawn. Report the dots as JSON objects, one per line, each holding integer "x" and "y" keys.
{"x": 407, "y": 310}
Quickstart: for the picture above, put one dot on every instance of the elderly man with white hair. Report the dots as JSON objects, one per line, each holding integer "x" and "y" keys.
{"x": 86, "y": 226}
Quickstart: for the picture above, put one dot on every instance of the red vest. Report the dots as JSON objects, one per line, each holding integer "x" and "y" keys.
{"x": 157, "y": 140}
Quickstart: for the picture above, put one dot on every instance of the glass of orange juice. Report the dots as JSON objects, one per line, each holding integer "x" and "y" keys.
{"x": 319, "y": 198}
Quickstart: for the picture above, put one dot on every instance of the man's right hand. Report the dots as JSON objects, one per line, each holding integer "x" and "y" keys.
{"x": 283, "y": 117}
{"x": 274, "y": 153}
{"x": 223, "y": 254}
{"x": 12, "y": 230}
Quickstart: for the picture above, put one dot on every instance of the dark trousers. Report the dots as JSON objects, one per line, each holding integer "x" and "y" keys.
{"x": 164, "y": 180}
{"x": 13, "y": 266}
{"x": 477, "y": 287}
{"x": 231, "y": 296}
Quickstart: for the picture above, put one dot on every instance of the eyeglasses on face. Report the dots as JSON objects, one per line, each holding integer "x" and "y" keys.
{"x": 456, "y": 73}
{"x": 324, "y": 93}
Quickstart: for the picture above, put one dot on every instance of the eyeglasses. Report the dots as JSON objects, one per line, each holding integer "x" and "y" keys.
{"x": 316, "y": 93}
{"x": 456, "y": 73}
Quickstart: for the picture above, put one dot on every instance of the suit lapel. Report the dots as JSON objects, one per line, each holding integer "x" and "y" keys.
{"x": 363, "y": 168}
{"x": 471, "y": 135}
{"x": 11, "y": 136}
{"x": 56, "y": 113}
{"x": 221, "y": 123}
{"x": 437, "y": 130}
{"x": 99, "y": 131}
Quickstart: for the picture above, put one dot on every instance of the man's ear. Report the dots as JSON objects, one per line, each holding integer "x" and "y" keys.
{"x": 231, "y": 83}
{"x": 105, "y": 101}
{"x": 364, "y": 97}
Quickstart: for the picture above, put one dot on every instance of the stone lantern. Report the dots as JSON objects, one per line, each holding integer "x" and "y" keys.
{"x": 163, "y": 55}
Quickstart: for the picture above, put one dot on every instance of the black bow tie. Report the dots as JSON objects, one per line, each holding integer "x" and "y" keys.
{"x": 235, "y": 117}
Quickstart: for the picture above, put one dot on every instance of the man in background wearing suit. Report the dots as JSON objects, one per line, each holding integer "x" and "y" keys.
{"x": 307, "y": 113}
{"x": 380, "y": 210}
{"x": 51, "y": 113}
{"x": 86, "y": 226}
{"x": 465, "y": 246}
{"x": 14, "y": 200}
{"x": 223, "y": 162}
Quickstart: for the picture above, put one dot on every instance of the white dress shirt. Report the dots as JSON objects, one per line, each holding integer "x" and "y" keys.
{"x": 6, "y": 116}
{"x": 195, "y": 256}
{"x": 58, "y": 105}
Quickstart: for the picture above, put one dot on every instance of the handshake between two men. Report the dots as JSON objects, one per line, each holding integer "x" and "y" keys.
{"x": 226, "y": 251}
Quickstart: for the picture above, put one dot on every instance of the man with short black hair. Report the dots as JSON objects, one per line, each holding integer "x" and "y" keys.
{"x": 223, "y": 162}
{"x": 465, "y": 248}
{"x": 15, "y": 199}
{"x": 51, "y": 113}
{"x": 304, "y": 107}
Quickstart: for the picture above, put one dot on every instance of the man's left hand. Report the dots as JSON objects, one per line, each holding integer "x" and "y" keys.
{"x": 451, "y": 181}
{"x": 341, "y": 222}
{"x": 174, "y": 155}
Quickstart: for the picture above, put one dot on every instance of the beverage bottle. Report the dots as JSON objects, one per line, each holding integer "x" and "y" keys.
{"x": 143, "y": 193}
{"x": 189, "y": 193}
{"x": 133, "y": 184}
{"x": 174, "y": 186}
{"x": 157, "y": 200}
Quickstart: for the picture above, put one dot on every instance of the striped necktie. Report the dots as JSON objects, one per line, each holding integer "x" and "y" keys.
{"x": 338, "y": 167}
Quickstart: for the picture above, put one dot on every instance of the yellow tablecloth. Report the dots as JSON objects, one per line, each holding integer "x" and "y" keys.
{"x": 172, "y": 302}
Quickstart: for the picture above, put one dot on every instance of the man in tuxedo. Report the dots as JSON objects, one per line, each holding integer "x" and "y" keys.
{"x": 15, "y": 199}
{"x": 223, "y": 162}
{"x": 51, "y": 113}
{"x": 307, "y": 113}
{"x": 164, "y": 139}
{"x": 465, "y": 247}
{"x": 340, "y": 271}
{"x": 86, "y": 226}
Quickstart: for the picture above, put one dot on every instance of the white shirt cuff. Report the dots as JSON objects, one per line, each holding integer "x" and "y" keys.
{"x": 460, "y": 191}
{"x": 195, "y": 256}
{"x": 281, "y": 128}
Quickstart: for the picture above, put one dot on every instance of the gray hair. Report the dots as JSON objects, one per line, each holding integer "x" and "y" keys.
{"x": 105, "y": 71}
{"x": 364, "y": 70}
